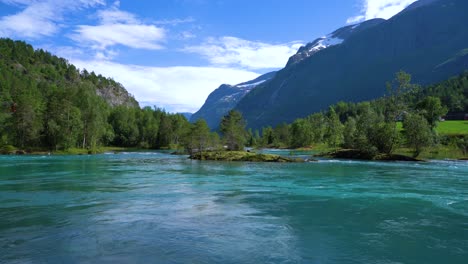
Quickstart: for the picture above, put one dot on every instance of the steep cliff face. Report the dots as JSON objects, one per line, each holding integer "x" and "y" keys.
{"x": 429, "y": 40}
{"x": 116, "y": 95}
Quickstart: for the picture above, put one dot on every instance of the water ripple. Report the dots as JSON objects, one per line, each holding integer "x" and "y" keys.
{"x": 147, "y": 206}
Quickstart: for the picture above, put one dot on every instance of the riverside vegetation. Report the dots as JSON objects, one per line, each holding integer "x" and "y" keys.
{"x": 47, "y": 104}
{"x": 407, "y": 120}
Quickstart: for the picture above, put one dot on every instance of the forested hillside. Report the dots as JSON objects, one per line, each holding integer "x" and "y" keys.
{"x": 453, "y": 93}
{"x": 47, "y": 103}
{"x": 407, "y": 116}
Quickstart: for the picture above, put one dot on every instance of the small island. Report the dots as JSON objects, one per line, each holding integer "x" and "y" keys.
{"x": 360, "y": 155}
{"x": 242, "y": 156}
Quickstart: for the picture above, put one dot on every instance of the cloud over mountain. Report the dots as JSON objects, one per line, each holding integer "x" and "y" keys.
{"x": 232, "y": 51}
{"x": 379, "y": 9}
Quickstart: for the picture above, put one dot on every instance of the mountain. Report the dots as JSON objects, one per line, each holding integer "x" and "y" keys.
{"x": 428, "y": 39}
{"x": 333, "y": 39}
{"x": 225, "y": 98}
{"x": 21, "y": 63}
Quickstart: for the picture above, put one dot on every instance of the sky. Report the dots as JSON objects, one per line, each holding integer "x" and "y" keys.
{"x": 173, "y": 53}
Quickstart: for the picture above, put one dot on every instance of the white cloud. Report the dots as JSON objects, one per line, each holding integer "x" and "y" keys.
{"x": 64, "y": 52}
{"x": 39, "y": 18}
{"x": 232, "y": 51}
{"x": 131, "y": 35}
{"x": 83, "y": 3}
{"x": 175, "y": 22}
{"x": 380, "y": 9}
{"x": 187, "y": 35}
{"x": 177, "y": 89}
{"x": 59, "y": 4}
{"x": 356, "y": 19}
{"x": 18, "y": 2}
{"x": 114, "y": 15}
{"x": 34, "y": 21}
{"x": 118, "y": 27}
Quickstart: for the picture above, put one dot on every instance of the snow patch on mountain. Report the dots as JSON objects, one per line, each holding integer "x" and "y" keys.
{"x": 225, "y": 98}
{"x": 333, "y": 39}
{"x": 243, "y": 90}
{"x": 319, "y": 44}
{"x": 325, "y": 42}
{"x": 251, "y": 84}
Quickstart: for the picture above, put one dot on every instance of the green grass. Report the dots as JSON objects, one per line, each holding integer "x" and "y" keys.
{"x": 80, "y": 151}
{"x": 453, "y": 128}
{"x": 447, "y": 127}
{"x": 7, "y": 149}
{"x": 438, "y": 152}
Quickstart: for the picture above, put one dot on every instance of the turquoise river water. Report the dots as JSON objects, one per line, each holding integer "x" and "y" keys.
{"x": 150, "y": 207}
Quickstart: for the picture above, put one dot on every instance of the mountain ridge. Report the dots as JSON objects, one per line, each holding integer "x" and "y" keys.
{"x": 416, "y": 40}
{"x": 337, "y": 37}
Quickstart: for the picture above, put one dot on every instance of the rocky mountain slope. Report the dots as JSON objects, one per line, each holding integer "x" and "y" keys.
{"x": 116, "y": 94}
{"x": 333, "y": 39}
{"x": 428, "y": 39}
{"x": 225, "y": 98}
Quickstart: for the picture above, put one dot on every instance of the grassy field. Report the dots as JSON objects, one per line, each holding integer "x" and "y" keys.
{"x": 448, "y": 127}
{"x": 453, "y": 128}
{"x": 435, "y": 152}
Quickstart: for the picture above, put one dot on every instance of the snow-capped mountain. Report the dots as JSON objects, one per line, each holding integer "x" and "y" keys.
{"x": 332, "y": 39}
{"x": 429, "y": 40}
{"x": 314, "y": 47}
{"x": 225, "y": 98}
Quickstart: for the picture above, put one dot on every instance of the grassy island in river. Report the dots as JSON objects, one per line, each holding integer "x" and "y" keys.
{"x": 241, "y": 156}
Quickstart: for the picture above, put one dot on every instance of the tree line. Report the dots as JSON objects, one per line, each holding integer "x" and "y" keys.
{"x": 47, "y": 103}
{"x": 407, "y": 116}
{"x": 373, "y": 127}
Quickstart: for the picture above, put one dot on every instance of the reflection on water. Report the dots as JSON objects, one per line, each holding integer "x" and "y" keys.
{"x": 153, "y": 207}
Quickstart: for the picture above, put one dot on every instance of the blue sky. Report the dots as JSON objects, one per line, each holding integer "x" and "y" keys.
{"x": 173, "y": 53}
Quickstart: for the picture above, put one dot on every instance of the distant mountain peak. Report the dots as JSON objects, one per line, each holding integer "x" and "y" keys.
{"x": 225, "y": 98}
{"x": 337, "y": 37}
{"x": 428, "y": 40}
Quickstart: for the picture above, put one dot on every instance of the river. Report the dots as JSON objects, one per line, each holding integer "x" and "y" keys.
{"x": 151, "y": 207}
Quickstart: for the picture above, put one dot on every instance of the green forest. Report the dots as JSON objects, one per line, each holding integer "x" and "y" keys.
{"x": 47, "y": 104}
{"x": 407, "y": 119}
